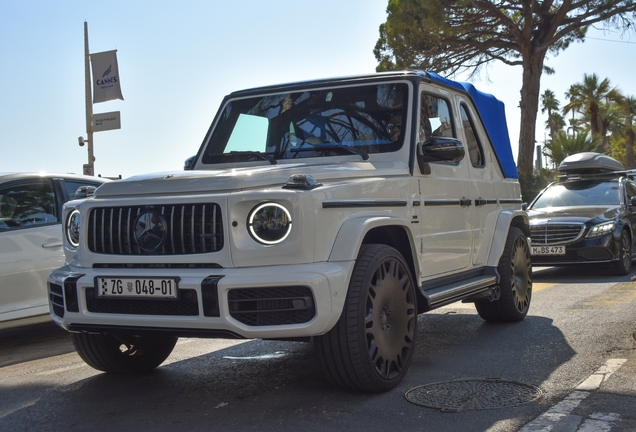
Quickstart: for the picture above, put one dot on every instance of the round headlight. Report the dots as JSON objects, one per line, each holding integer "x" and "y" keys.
{"x": 269, "y": 223}
{"x": 72, "y": 228}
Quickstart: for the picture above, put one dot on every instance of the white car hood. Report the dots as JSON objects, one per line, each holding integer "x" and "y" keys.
{"x": 232, "y": 179}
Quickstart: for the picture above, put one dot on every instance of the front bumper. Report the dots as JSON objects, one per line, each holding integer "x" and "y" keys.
{"x": 604, "y": 249}
{"x": 260, "y": 302}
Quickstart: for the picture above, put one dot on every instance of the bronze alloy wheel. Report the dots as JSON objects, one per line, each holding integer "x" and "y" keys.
{"x": 521, "y": 271}
{"x": 371, "y": 346}
{"x": 515, "y": 282}
{"x": 389, "y": 314}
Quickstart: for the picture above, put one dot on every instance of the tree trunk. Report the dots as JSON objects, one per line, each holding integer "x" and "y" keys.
{"x": 532, "y": 69}
{"x": 595, "y": 127}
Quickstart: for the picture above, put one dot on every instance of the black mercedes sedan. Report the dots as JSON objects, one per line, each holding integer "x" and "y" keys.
{"x": 587, "y": 216}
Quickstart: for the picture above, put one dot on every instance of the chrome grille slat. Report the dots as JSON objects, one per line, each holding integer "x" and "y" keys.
{"x": 555, "y": 233}
{"x": 183, "y": 229}
{"x": 203, "y": 207}
{"x": 192, "y": 222}
{"x": 192, "y": 229}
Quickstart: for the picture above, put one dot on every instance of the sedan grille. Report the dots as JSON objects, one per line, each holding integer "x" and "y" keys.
{"x": 185, "y": 229}
{"x": 555, "y": 233}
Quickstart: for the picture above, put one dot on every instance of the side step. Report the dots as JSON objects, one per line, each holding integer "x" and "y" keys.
{"x": 474, "y": 287}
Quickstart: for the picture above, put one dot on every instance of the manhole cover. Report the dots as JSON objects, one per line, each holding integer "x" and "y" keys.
{"x": 473, "y": 394}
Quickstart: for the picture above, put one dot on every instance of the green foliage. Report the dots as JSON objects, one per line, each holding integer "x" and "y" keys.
{"x": 450, "y": 36}
{"x": 563, "y": 145}
{"x": 532, "y": 184}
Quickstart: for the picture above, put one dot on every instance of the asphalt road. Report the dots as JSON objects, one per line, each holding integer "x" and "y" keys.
{"x": 580, "y": 333}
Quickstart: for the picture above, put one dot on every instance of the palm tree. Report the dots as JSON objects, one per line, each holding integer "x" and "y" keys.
{"x": 551, "y": 104}
{"x": 629, "y": 105}
{"x": 586, "y": 97}
{"x": 555, "y": 123}
{"x": 562, "y": 146}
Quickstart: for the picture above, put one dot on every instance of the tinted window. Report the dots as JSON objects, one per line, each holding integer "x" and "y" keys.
{"x": 76, "y": 188}
{"x": 435, "y": 118}
{"x": 580, "y": 193}
{"x": 27, "y": 204}
{"x": 312, "y": 123}
{"x": 472, "y": 141}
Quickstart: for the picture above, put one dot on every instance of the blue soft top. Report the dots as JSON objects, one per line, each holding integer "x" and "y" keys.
{"x": 493, "y": 115}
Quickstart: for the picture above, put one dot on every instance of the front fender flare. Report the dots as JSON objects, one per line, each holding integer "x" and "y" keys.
{"x": 352, "y": 232}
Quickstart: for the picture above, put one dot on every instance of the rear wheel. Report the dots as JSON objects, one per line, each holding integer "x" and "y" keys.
{"x": 371, "y": 346}
{"x": 624, "y": 264}
{"x": 130, "y": 355}
{"x": 515, "y": 271}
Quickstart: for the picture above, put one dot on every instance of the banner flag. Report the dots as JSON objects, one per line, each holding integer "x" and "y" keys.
{"x": 105, "y": 77}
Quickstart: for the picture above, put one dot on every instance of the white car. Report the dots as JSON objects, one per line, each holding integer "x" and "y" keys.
{"x": 335, "y": 209}
{"x": 31, "y": 239}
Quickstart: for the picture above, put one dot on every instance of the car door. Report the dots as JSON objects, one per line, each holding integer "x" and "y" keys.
{"x": 445, "y": 237}
{"x": 30, "y": 246}
{"x": 484, "y": 175}
{"x": 31, "y": 241}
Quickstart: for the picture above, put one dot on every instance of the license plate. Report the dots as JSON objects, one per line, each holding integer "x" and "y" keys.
{"x": 136, "y": 287}
{"x": 548, "y": 250}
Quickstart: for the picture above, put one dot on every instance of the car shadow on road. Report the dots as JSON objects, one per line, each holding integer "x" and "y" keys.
{"x": 274, "y": 385}
{"x": 33, "y": 342}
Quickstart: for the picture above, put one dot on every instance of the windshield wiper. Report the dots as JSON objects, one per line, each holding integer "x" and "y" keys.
{"x": 261, "y": 156}
{"x": 339, "y": 147}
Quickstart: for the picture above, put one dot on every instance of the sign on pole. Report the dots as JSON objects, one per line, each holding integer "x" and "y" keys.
{"x": 106, "y": 85}
{"x": 106, "y": 121}
{"x": 89, "y": 170}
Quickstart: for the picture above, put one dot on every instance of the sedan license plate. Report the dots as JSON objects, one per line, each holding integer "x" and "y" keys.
{"x": 136, "y": 287}
{"x": 547, "y": 250}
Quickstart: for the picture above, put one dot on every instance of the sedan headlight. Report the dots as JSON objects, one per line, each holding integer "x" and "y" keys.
{"x": 601, "y": 229}
{"x": 269, "y": 223}
{"x": 72, "y": 228}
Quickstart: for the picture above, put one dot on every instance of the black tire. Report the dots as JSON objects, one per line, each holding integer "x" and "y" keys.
{"x": 624, "y": 264}
{"x": 515, "y": 271}
{"x": 134, "y": 355}
{"x": 371, "y": 347}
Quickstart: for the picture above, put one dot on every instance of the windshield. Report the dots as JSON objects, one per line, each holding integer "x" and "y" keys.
{"x": 314, "y": 123}
{"x": 580, "y": 193}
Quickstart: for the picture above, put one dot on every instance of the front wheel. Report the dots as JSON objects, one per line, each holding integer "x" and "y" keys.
{"x": 624, "y": 264}
{"x": 515, "y": 271}
{"x": 130, "y": 355}
{"x": 371, "y": 346}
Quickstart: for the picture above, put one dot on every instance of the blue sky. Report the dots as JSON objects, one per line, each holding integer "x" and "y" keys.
{"x": 178, "y": 59}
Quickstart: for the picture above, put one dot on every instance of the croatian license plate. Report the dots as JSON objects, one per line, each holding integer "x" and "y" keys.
{"x": 548, "y": 250}
{"x": 136, "y": 287}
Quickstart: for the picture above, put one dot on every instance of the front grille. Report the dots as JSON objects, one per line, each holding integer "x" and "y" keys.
{"x": 272, "y": 306}
{"x": 186, "y": 304}
{"x": 57, "y": 299}
{"x": 189, "y": 229}
{"x": 555, "y": 233}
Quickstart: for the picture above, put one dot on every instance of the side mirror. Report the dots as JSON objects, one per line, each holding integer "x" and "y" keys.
{"x": 189, "y": 163}
{"x": 439, "y": 149}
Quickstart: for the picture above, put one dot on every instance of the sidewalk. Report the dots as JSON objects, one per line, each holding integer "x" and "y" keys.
{"x": 605, "y": 401}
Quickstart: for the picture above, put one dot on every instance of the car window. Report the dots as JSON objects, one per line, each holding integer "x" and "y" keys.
{"x": 630, "y": 188}
{"x": 472, "y": 141}
{"x": 27, "y": 204}
{"x": 77, "y": 189}
{"x": 435, "y": 118}
{"x": 312, "y": 123}
{"x": 580, "y": 193}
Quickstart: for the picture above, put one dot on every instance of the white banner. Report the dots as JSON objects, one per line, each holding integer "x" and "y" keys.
{"x": 105, "y": 77}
